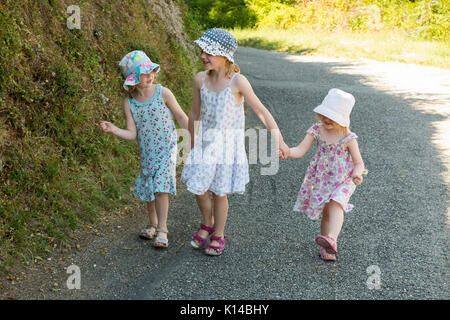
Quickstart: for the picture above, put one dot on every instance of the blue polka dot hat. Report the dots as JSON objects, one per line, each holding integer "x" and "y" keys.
{"x": 218, "y": 42}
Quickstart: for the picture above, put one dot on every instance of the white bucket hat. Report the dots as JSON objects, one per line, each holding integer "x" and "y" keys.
{"x": 337, "y": 106}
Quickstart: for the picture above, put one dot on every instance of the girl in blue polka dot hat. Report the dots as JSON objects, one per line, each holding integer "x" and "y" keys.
{"x": 149, "y": 110}
{"x": 217, "y": 163}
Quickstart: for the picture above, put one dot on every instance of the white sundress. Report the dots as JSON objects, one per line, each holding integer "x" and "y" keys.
{"x": 218, "y": 161}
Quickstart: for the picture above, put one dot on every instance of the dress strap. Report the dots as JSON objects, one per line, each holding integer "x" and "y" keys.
{"x": 158, "y": 89}
{"x": 231, "y": 79}
{"x": 204, "y": 77}
{"x": 349, "y": 137}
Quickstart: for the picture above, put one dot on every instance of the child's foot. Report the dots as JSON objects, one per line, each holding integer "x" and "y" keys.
{"x": 328, "y": 243}
{"x": 324, "y": 255}
{"x": 200, "y": 238}
{"x": 215, "y": 248}
{"x": 161, "y": 240}
{"x": 149, "y": 232}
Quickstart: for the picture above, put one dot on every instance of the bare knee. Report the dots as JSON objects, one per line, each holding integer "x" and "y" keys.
{"x": 334, "y": 206}
{"x": 161, "y": 194}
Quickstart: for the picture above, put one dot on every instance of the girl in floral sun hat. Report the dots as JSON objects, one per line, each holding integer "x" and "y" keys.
{"x": 217, "y": 162}
{"x": 149, "y": 112}
{"x": 333, "y": 173}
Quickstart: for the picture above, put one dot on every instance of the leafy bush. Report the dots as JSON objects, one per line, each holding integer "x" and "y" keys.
{"x": 224, "y": 14}
{"x": 426, "y": 19}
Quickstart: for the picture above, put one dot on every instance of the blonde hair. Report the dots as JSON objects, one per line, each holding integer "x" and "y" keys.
{"x": 343, "y": 130}
{"x": 230, "y": 67}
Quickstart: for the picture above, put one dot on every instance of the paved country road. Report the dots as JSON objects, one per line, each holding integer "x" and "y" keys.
{"x": 398, "y": 231}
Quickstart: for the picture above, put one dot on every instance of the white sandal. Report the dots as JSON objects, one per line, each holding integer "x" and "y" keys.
{"x": 148, "y": 233}
{"x": 163, "y": 242}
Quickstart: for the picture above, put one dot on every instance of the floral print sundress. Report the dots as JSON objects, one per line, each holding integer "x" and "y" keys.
{"x": 328, "y": 176}
{"x": 157, "y": 140}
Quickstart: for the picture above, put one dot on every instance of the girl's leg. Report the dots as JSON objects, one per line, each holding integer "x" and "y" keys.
{"x": 325, "y": 221}
{"x": 220, "y": 218}
{"x": 152, "y": 215}
{"x": 205, "y": 205}
{"x": 332, "y": 220}
{"x": 162, "y": 209}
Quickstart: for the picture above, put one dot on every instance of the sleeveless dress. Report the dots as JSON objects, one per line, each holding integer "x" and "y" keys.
{"x": 157, "y": 140}
{"x": 218, "y": 161}
{"x": 328, "y": 176}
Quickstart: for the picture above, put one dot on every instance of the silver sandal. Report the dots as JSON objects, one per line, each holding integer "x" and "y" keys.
{"x": 148, "y": 233}
{"x": 161, "y": 242}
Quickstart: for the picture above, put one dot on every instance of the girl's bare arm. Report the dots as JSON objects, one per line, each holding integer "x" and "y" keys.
{"x": 172, "y": 103}
{"x": 127, "y": 134}
{"x": 261, "y": 111}
{"x": 300, "y": 150}
{"x": 358, "y": 163}
{"x": 196, "y": 107}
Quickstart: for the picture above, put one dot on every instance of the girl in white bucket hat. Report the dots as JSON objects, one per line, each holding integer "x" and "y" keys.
{"x": 333, "y": 173}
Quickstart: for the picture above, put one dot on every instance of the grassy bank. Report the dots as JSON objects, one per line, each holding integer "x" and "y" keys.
{"x": 58, "y": 172}
{"x": 381, "y": 46}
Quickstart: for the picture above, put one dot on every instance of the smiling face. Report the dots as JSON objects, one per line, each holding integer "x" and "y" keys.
{"x": 211, "y": 62}
{"x": 146, "y": 80}
{"x": 328, "y": 123}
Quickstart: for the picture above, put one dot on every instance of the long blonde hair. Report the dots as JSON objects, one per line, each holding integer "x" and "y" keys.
{"x": 230, "y": 67}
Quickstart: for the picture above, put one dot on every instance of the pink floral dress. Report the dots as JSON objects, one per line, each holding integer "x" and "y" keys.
{"x": 328, "y": 176}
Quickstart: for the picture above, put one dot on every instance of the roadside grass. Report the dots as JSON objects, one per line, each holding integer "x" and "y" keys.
{"x": 58, "y": 172}
{"x": 380, "y": 46}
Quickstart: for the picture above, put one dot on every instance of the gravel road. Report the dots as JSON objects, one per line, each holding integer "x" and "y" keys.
{"x": 397, "y": 233}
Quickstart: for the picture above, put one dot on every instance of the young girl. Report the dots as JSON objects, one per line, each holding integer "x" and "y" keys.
{"x": 218, "y": 162}
{"x": 148, "y": 114}
{"x": 334, "y": 172}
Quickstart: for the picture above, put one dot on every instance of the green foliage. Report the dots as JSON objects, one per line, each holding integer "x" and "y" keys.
{"x": 58, "y": 171}
{"x": 225, "y": 14}
{"x": 424, "y": 19}
{"x": 380, "y": 45}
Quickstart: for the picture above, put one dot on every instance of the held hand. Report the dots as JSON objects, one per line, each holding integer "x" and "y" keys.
{"x": 285, "y": 151}
{"x": 107, "y": 127}
{"x": 357, "y": 179}
{"x": 281, "y": 155}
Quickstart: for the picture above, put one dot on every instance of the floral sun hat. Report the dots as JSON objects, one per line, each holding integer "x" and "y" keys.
{"x": 337, "y": 106}
{"x": 133, "y": 65}
{"x": 218, "y": 42}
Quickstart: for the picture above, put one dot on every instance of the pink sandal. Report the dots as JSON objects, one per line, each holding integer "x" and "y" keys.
{"x": 201, "y": 241}
{"x": 324, "y": 255}
{"x": 217, "y": 249}
{"x": 328, "y": 243}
